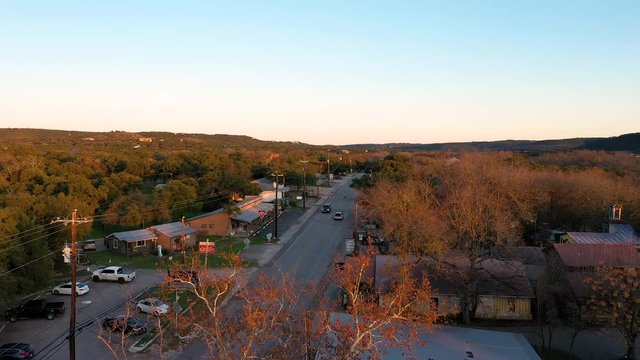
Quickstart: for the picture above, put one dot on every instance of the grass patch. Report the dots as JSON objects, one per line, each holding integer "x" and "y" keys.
{"x": 224, "y": 245}
{"x": 107, "y": 258}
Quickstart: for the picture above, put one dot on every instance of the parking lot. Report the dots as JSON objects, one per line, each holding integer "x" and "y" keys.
{"x": 104, "y": 299}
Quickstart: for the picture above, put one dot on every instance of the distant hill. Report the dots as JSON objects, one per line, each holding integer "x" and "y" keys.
{"x": 626, "y": 142}
{"x": 43, "y": 137}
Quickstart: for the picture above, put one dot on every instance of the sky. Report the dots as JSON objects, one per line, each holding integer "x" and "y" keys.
{"x": 324, "y": 72}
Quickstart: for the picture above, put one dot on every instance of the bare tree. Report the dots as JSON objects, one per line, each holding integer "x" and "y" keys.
{"x": 378, "y": 320}
{"x": 616, "y": 302}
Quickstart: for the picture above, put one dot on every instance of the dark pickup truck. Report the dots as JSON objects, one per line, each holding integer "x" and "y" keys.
{"x": 35, "y": 308}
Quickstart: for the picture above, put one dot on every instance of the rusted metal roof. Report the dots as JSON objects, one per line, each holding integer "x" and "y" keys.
{"x": 591, "y": 255}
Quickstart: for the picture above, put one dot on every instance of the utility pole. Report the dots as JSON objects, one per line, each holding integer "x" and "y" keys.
{"x": 74, "y": 279}
{"x": 182, "y": 237}
{"x": 275, "y": 212}
{"x": 304, "y": 183}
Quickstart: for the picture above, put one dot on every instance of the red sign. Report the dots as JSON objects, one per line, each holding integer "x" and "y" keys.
{"x": 206, "y": 247}
{"x": 262, "y": 213}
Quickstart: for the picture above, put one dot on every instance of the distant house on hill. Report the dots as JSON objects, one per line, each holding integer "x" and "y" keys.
{"x": 134, "y": 242}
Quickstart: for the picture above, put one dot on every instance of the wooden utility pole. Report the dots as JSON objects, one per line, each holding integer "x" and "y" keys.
{"x": 182, "y": 237}
{"x": 304, "y": 183}
{"x": 74, "y": 279}
{"x": 275, "y": 211}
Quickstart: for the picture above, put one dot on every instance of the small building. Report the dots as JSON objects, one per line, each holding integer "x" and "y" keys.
{"x": 244, "y": 218}
{"x": 614, "y": 231}
{"x": 251, "y": 218}
{"x": 130, "y": 243}
{"x": 570, "y": 265}
{"x": 444, "y": 342}
{"x": 170, "y": 236}
{"x": 503, "y": 286}
{"x": 213, "y": 223}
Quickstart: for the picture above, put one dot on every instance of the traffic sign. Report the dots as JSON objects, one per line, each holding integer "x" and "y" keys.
{"x": 262, "y": 213}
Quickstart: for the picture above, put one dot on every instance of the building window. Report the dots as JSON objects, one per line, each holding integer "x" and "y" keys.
{"x": 210, "y": 226}
{"x": 140, "y": 243}
{"x": 115, "y": 243}
{"x": 511, "y": 306}
{"x": 204, "y": 226}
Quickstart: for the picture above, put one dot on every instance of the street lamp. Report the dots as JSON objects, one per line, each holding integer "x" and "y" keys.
{"x": 304, "y": 183}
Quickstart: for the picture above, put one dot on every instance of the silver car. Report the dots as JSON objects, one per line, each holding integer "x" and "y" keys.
{"x": 65, "y": 289}
{"x": 153, "y": 306}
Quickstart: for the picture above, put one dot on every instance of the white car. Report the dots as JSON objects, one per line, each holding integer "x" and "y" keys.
{"x": 152, "y": 306}
{"x": 65, "y": 289}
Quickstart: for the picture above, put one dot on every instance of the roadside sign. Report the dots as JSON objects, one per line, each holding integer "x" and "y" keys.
{"x": 350, "y": 246}
{"x": 205, "y": 247}
{"x": 262, "y": 213}
{"x": 298, "y": 197}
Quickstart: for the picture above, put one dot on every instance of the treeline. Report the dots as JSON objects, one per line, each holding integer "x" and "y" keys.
{"x": 473, "y": 207}
{"x": 569, "y": 190}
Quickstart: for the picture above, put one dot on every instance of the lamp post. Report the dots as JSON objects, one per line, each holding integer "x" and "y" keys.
{"x": 304, "y": 183}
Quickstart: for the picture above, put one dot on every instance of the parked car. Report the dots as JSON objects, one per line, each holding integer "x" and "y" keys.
{"x": 35, "y": 308}
{"x": 16, "y": 351}
{"x": 126, "y": 324}
{"x": 326, "y": 208}
{"x": 89, "y": 245}
{"x": 65, "y": 289}
{"x": 114, "y": 273}
{"x": 338, "y": 215}
{"x": 153, "y": 306}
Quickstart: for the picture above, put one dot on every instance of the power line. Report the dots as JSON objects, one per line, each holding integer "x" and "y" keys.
{"x": 167, "y": 206}
{"x": 24, "y": 233}
{"x": 29, "y": 263}
{"x": 30, "y": 241}
{"x": 190, "y": 202}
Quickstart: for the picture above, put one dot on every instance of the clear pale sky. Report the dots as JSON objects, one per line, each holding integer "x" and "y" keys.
{"x": 324, "y": 72}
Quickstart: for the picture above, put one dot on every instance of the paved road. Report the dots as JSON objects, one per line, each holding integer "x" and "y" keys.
{"x": 310, "y": 246}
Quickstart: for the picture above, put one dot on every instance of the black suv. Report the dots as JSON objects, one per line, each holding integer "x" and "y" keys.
{"x": 326, "y": 208}
{"x": 126, "y": 324}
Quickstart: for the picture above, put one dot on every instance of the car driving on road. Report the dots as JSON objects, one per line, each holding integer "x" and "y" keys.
{"x": 153, "y": 306}
{"x": 126, "y": 324}
{"x": 338, "y": 215}
{"x": 65, "y": 289}
{"x": 326, "y": 208}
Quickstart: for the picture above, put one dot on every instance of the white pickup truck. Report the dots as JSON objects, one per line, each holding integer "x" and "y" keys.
{"x": 114, "y": 273}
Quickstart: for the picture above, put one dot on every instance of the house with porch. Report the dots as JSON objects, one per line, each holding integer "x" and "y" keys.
{"x": 169, "y": 236}
{"x": 131, "y": 243}
{"x": 246, "y": 217}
